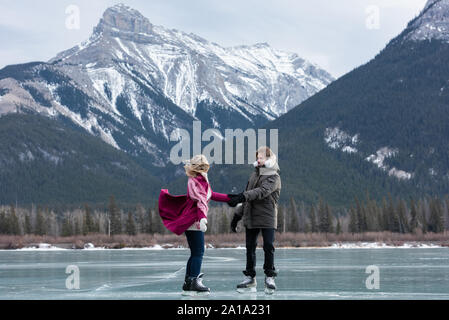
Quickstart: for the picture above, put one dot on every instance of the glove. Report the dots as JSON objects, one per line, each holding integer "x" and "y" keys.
{"x": 236, "y": 199}
{"x": 203, "y": 224}
{"x": 234, "y": 222}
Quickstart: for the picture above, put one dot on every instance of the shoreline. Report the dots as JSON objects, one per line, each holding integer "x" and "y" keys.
{"x": 231, "y": 241}
{"x": 168, "y": 246}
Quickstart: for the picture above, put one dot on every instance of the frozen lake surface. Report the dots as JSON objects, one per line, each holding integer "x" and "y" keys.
{"x": 334, "y": 273}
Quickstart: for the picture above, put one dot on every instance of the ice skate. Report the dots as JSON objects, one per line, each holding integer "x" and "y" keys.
{"x": 195, "y": 287}
{"x": 186, "y": 285}
{"x": 249, "y": 284}
{"x": 270, "y": 286}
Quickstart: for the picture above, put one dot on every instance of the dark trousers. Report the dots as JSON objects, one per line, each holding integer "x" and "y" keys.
{"x": 268, "y": 248}
{"x": 195, "y": 240}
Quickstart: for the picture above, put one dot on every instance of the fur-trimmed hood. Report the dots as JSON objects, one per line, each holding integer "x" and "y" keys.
{"x": 270, "y": 167}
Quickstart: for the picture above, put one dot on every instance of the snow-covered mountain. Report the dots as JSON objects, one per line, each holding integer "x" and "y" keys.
{"x": 132, "y": 83}
{"x": 253, "y": 80}
{"x": 432, "y": 22}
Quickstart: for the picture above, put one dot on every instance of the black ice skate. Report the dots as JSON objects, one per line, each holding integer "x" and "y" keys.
{"x": 195, "y": 287}
{"x": 186, "y": 285}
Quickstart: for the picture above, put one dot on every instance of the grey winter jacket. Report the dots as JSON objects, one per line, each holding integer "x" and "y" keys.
{"x": 262, "y": 195}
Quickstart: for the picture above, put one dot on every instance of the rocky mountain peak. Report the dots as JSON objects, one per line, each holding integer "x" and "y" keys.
{"x": 431, "y": 23}
{"x": 121, "y": 18}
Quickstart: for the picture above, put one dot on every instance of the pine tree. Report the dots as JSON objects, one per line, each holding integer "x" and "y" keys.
{"x": 313, "y": 222}
{"x": 148, "y": 222}
{"x": 27, "y": 227}
{"x": 436, "y": 222}
{"x": 293, "y": 213}
{"x": 384, "y": 222}
{"x": 77, "y": 229}
{"x": 301, "y": 217}
{"x": 324, "y": 218}
{"x": 140, "y": 217}
{"x": 393, "y": 220}
{"x": 422, "y": 215}
{"x": 280, "y": 220}
{"x": 338, "y": 227}
{"x": 414, "y": 216}
{"x": 40, "y": 227}
{"x": 14, "y": 222}
{"x": 224, "y": 223}
{"x": 88, "y": 224}
{"x": 156, "y": 221}
{"x": 66, "y": 226}
{"x": 330, "y": 227}
{"x": 361, "y": 216}
{"x": 130, "y": 225}
{"x": 402, "y": 217}
{"x": 114, "y": 217}
{"x": 3, "y": 223}
{"x": 353, "y": 223}
{"x": 377, "y": 224}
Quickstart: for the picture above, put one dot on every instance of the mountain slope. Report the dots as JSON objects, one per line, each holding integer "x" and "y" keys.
{"x": 45, "y": 162}
{"x": 382, "y": 127}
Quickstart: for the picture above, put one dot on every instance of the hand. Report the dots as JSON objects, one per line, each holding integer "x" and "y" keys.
{"x": 203, "y": 224}
{"x": 236, "y": 199}
{"x": 230, "y": 195}
{"x": 234, "y": 222}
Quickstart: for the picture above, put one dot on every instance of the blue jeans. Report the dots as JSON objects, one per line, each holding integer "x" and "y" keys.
{"x": 195, "y": 239}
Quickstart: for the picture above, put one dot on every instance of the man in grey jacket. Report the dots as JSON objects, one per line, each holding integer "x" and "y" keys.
{"x": 259, "y": 213}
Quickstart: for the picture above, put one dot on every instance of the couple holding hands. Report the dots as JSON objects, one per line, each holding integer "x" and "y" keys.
{"x": 188, "y": 214}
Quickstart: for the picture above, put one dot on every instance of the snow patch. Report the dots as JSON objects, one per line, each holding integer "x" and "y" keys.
{"x": 26, "y": 156}
{"x": 338, "y": 139}
{"x": 41, "y": 247}
{"x": 379, "y": 158}
{"x": 400, "y": 174}
{"x": 380, "y": 245}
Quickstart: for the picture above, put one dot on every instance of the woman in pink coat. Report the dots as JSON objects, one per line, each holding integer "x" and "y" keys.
{"x": 188, "y": 214}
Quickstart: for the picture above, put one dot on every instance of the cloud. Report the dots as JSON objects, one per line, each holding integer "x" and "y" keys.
{"x": 332, "y": 34}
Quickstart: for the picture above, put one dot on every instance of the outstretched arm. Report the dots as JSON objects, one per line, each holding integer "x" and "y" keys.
{"x": 219, "y": 197}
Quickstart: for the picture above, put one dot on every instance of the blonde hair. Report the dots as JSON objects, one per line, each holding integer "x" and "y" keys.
{"x": 265, "y": 149}
{"x": 196, "y": 165}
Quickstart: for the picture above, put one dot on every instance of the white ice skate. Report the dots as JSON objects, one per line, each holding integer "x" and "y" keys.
{"x": 249, "y": 284}
{"x": 270, "y": 286}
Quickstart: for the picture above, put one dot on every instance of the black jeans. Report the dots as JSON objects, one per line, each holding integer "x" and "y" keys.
{"x": 268, "y": 248}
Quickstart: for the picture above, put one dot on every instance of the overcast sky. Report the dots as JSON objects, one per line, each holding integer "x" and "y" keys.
{"x": 338, "y": 35}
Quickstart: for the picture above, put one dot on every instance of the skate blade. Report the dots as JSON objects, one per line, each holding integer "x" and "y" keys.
{"x": 195, "y": 293}
{"x": 269, "y": 291}
{"x": 246, "y": 290}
